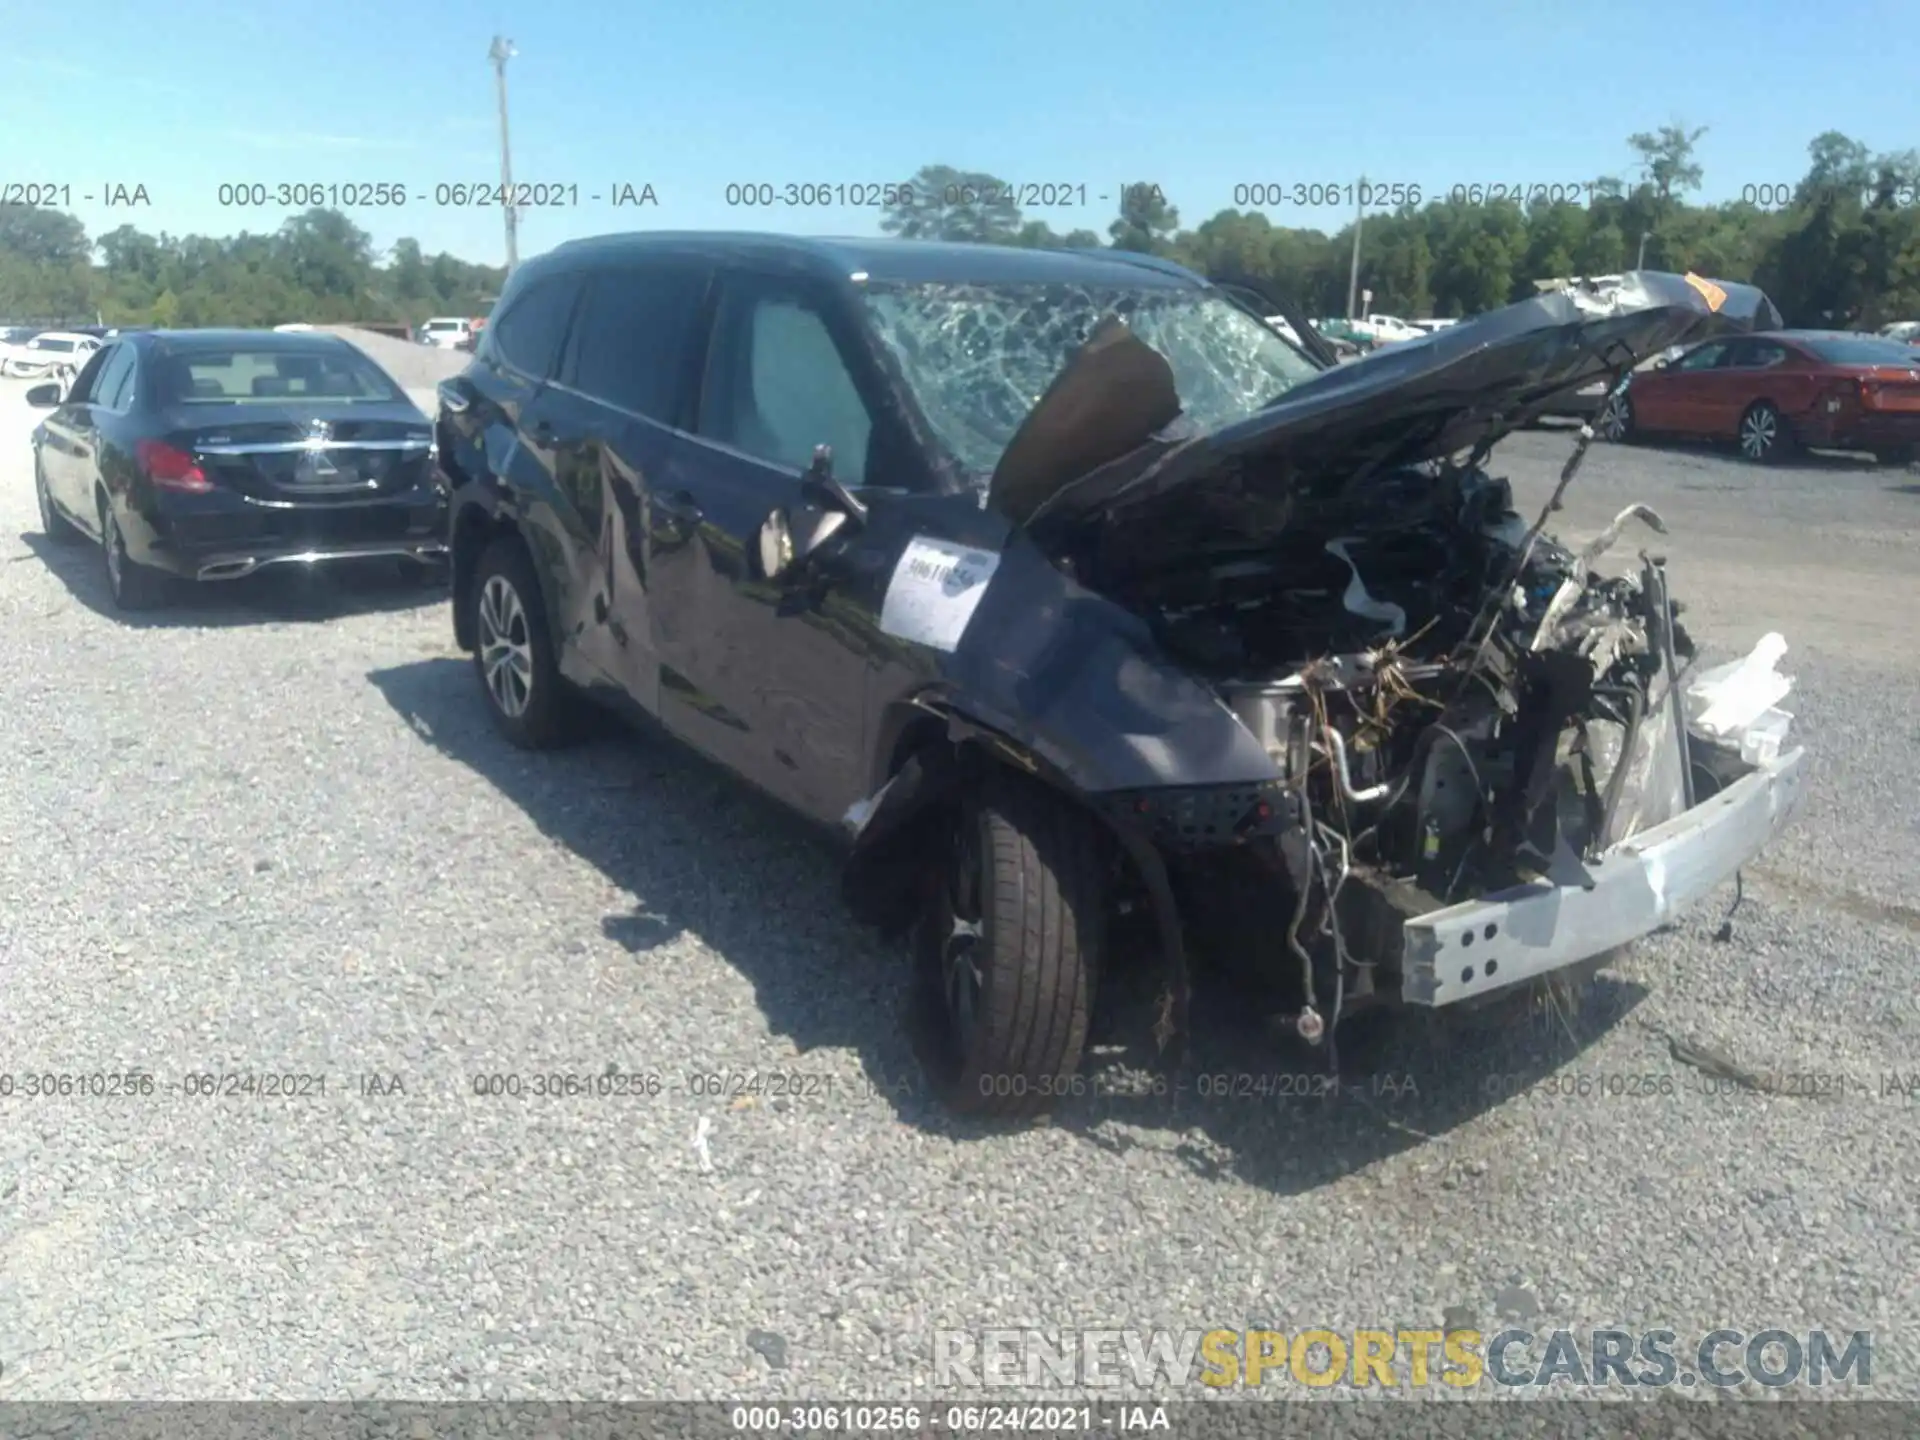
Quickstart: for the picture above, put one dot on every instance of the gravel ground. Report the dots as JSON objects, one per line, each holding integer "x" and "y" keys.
{"x": 270, "y": 830}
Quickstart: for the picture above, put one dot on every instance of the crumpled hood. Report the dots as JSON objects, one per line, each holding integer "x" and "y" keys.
{"x": 1076, "y": 462}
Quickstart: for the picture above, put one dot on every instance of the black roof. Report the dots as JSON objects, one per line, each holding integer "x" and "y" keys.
{"x": 887, "y": 260}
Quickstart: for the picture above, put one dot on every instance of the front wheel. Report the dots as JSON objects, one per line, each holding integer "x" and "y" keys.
{"x": 1009, "y": 948}
{"x": 513, "y": 652}
{"x": 1763, "y": 434}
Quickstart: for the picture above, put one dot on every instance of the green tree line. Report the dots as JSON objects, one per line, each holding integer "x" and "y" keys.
{"x": 318, "y": 267}
{"x": 1838, "y": 247}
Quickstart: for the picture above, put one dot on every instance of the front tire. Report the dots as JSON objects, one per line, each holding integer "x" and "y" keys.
{"x": 133, "y": 586}
{"x": 1009, "y": 948}
{"x": 1763, "y": 434}
{"x": 513, "y": 652}
{"x": 53, "y": 524}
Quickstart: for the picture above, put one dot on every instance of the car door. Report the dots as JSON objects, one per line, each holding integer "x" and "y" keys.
{"x": 1674, "y": 402}
{"x": 115, "y": 428}
{"x": 70, "y": 458}
{"x": 771, "y": 686}
{"x": 1736, "y": 382}
{"x": 626, "y": 378}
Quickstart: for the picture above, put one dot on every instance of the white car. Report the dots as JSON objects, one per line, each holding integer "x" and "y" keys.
{"x": 446, "y": 332}
{"x": 45, "y": 353}
{"x": 1907, "y": 330}
{"x": 1387, "y": 329}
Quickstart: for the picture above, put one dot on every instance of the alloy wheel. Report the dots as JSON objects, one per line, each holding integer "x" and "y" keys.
{"x": 506, "y": 647}
{"x": 1759, "y": 432}
{"x": 1615, "y": 418}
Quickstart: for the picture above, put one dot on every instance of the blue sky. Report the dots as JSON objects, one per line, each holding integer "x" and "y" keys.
{"x": 185, "y": 96}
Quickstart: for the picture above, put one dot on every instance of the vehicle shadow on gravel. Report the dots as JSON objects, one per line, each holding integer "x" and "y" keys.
{"x": 273, "y": 596}
{"x": 708, "y": 856}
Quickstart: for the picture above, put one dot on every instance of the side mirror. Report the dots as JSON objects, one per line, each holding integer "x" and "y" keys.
{"x": 44, "y": 397}
{"x": 792, "y": 533}
{"x": 1663, "y": 363}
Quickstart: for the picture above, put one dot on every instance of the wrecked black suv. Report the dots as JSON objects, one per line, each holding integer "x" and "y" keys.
{"x": 1068, "y": 587}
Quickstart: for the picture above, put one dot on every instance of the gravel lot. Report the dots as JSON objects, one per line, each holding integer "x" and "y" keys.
{"x": 271, "y": 830}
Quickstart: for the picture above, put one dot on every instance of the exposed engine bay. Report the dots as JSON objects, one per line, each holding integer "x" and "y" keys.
{"x": 1456, "y": 705}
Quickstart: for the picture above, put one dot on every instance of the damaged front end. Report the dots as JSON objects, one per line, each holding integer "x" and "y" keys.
{"x": 1486, "y": 764}
{"x": 1483, "y": 768}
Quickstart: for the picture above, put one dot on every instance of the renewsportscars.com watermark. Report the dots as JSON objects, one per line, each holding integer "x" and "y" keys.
{"x": 1361, "y": 1359}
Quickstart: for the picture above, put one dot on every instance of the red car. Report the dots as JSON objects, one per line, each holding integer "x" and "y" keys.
{"x": 1777, "y": 391}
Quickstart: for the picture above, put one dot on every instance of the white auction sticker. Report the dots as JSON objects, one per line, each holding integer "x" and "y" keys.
{"x": 935, "y": 589}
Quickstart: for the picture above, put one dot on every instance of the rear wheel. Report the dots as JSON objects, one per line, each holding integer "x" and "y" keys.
{"x": 1616, "y": 420}
{"x": 1900, "y": 455}
{"x": 1763, "y": 434}
{"x": 55, "y": 525}
{"x": 1009, "y": 948}
{"x": 132, "y": 585}
{"x": 514, "y": 653}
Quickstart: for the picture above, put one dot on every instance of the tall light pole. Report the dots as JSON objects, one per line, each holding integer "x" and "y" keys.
{"x": 502, "y": 52}
{"x": 1640, "y": 261}
{"x": 1353, "y": 268}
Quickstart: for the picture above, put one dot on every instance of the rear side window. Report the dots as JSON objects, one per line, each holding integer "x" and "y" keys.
{"x": 116, "y": 379}
{"x": 83, "y": 383}
{"x": 631, "y": 344}
{"x": 528, "y": 335}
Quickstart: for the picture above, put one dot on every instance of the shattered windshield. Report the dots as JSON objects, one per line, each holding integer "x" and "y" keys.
{"x": 979, "y": 357}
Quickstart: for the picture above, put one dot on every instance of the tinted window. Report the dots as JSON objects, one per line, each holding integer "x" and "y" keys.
{"x": 116, "y": 378}
{"x": 83, "y": 382}
{"x": 528, "y": 335}
{"x": 1704, "y": 358}
{"x": 777, "y": 385}
{"x": 630, "y": 345}
{"x": 58, "y": 347}
{"x": 1861, "y": 350}
{"x": 226, "y": 377}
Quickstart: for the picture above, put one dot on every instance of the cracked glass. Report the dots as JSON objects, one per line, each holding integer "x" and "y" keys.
{"x": 979, "y": 357}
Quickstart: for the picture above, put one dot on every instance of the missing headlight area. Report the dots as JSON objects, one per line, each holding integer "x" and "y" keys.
{"x": 1459, "y": 709}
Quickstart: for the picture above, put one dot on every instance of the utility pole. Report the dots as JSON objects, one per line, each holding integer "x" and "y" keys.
{"x": 1640, "y": 261}
{"x": 502, "y": 52}
{"x": 1353, "y": 269}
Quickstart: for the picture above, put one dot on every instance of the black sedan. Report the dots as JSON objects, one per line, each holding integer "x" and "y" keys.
{"x": 207, "y": 454}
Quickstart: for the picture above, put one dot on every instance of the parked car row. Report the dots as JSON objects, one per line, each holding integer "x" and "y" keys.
{"x": 1132, "y": 648}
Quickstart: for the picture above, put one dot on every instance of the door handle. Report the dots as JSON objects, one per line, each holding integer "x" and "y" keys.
{"x": 680, "y": 507}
